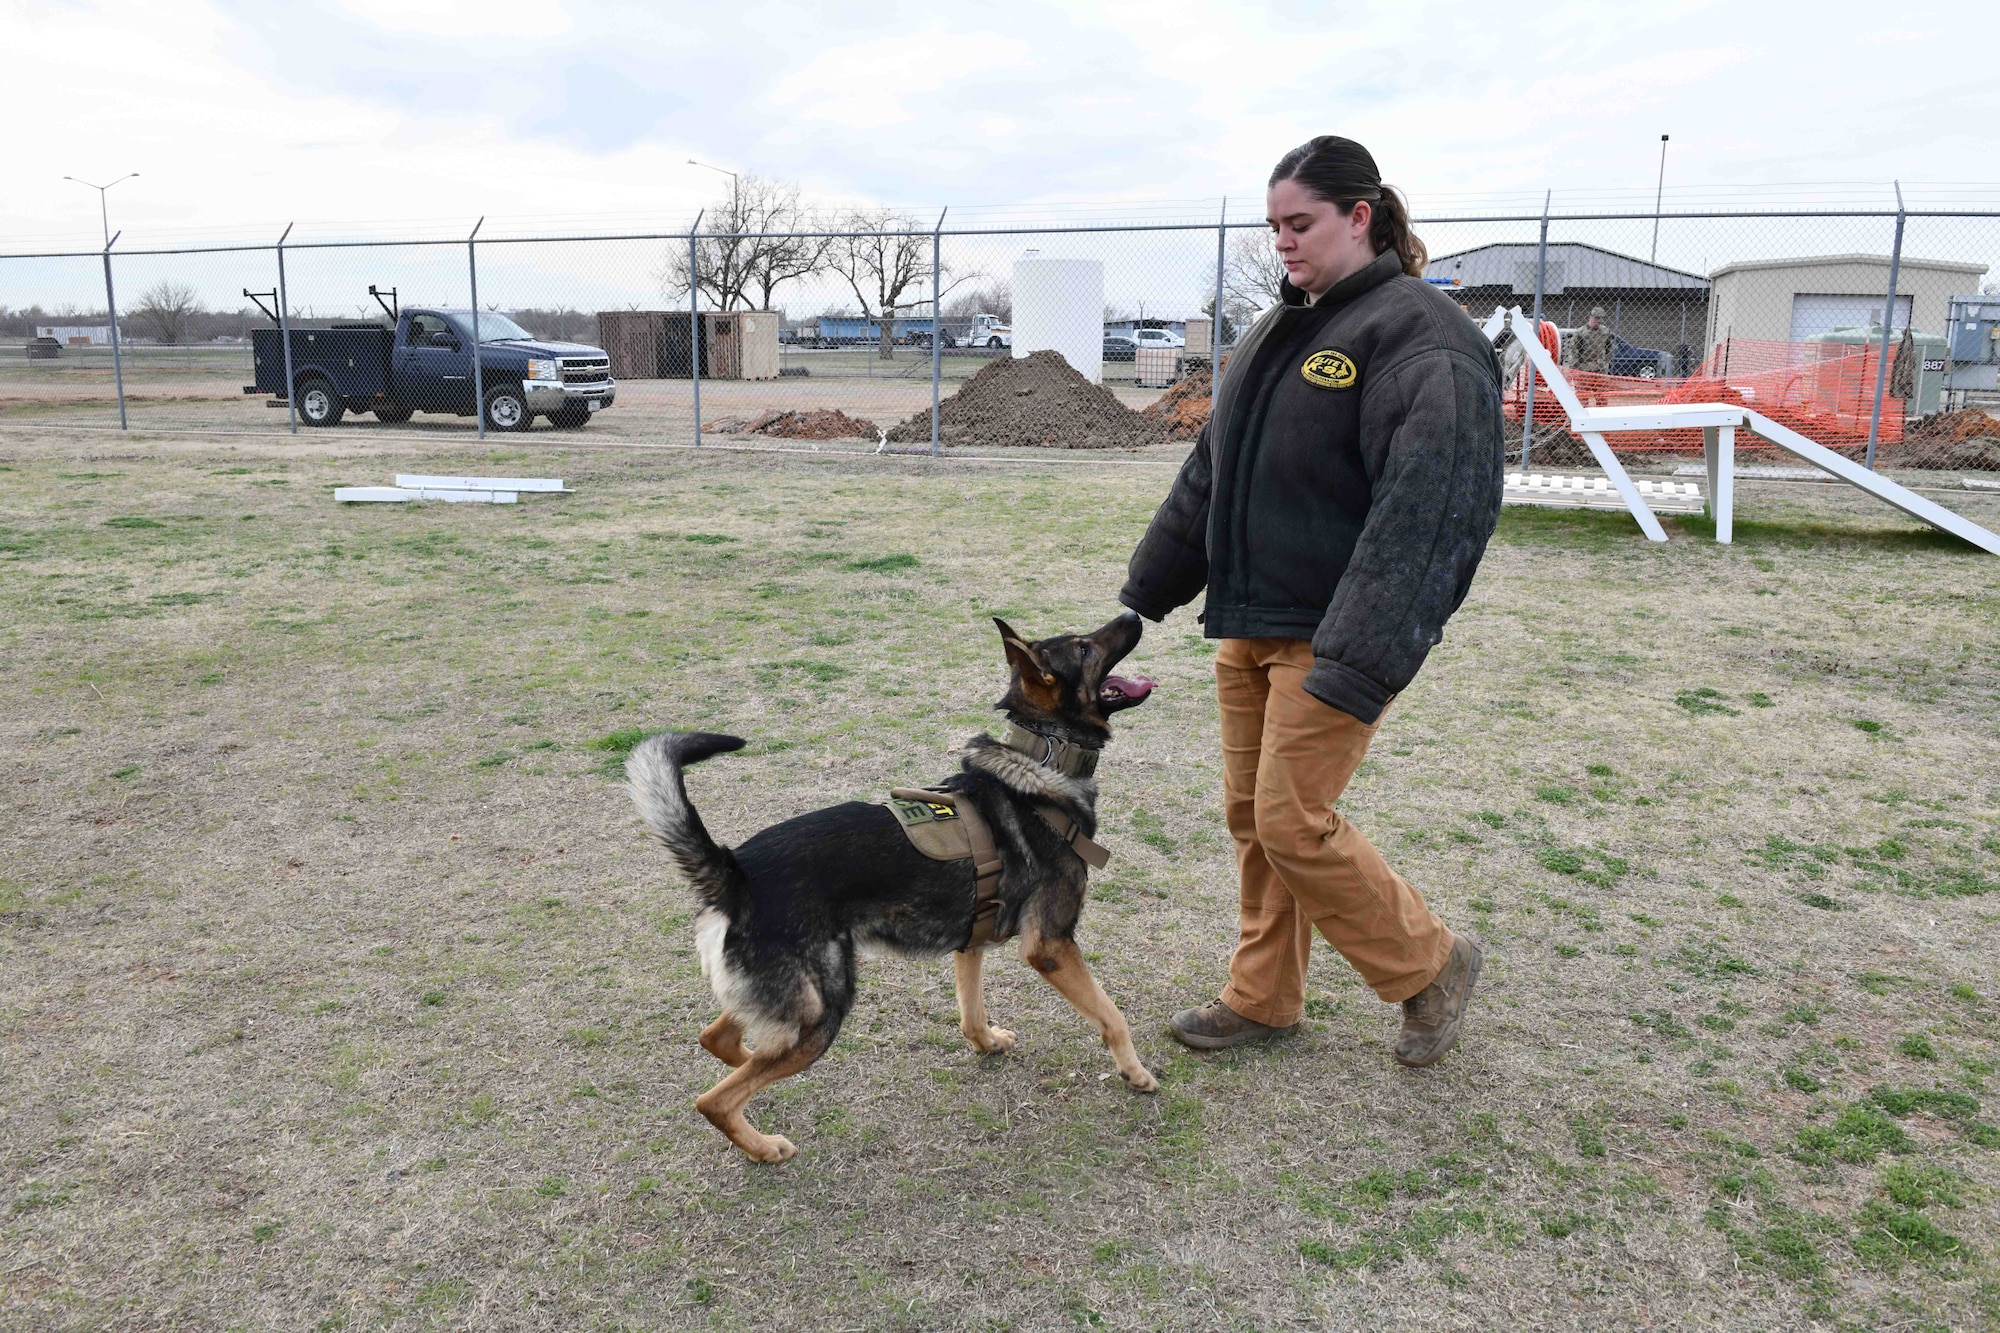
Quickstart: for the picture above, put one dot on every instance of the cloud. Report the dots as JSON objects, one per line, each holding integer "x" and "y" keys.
{"x": 355, "y": 114}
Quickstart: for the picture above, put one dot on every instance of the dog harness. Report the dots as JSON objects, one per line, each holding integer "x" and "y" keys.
{"x": 944, "y": 826}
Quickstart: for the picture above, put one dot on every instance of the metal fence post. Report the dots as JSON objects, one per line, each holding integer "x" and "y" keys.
{"x": 1535, "y": 331}
{"x": 478, "y": 378}
{"x": 937, "y": 321}
{"x": 285, "y": 335}
{"x": 1888, "y": 323}
{"x": 694, "y": 319}
{"x": 117, "y": 360}
{"x": 1215, "y": 323}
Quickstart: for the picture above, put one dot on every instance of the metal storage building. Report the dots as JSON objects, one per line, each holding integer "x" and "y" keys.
{"x": 1649, "y": 304}
{"x": 1793, "y": 300}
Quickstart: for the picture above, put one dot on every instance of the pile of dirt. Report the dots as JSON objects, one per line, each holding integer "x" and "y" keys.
{"x": 822, "y": 424}
{"x": 1960, "y": 440}
{"x": 1038, "y": 400}
{"x": 1183, "y": 410}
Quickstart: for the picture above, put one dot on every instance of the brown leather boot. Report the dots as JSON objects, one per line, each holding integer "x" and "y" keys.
{"x": 1431, "y": 1016}
{"x": 1215, "y": 1026}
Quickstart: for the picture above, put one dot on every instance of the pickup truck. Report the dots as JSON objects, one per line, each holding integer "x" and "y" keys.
{"x": 424, "y": 364}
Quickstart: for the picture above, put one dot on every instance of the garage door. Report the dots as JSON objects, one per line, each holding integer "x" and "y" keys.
{"x": 1812, "y": 314}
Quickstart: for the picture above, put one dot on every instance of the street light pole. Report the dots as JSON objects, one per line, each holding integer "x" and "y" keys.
{"x": 1658, "y": 191}
{"x": 103, "y": 209}
{"x": 735, "y": 183}
{"x": 735, "y": 215}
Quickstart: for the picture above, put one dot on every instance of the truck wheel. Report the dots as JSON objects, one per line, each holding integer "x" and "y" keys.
{"x": 319, "y": 405}
{"x": 992, "y": 342}
{"x": 569, "y": 418}
{"x": 506, "y": 409}
{"x": 393, "y": 416}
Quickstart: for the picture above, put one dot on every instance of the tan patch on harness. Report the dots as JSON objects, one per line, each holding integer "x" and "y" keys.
{"x": 933, "y": 827}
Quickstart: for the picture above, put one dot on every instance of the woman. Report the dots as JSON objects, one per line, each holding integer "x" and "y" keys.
{"x": 1334, "y": 510}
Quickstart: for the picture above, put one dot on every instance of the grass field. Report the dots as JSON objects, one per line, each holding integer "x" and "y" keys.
{"x": 339, "y": 990}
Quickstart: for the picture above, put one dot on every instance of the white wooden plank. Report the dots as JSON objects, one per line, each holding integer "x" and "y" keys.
{"x": 538, "y": 485}
{"x": 1661, "y": 416}
{"x": 465, "y": 496}
{"x": 1916, "y": 506}
{"x": 405, "y": 494}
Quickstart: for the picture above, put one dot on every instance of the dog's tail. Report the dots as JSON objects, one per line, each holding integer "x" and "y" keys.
{"x": 653, "y": 775}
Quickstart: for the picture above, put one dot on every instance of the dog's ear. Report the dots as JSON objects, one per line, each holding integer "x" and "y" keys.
{"x": 1021, "y": 655}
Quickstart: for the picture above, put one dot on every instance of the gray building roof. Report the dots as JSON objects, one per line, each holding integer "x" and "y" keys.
{"x": 1824, "y": 261}
{"x": 1570, "y": 264}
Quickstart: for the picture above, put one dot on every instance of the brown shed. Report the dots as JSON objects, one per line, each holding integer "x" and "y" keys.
{"x": 653, "y": 344}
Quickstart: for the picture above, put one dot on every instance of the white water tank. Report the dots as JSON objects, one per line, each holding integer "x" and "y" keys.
{"x": 1059, "y": 305}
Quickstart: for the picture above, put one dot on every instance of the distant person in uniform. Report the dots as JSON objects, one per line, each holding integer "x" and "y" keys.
{"x": 1589, "y": 348}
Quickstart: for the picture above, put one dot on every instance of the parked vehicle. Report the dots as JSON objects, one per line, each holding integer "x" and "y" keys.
{"x": 1644, "y": 363}
{"x": 915, "y": 331}
{"x": 988, "y": 331}
{"x": 1158, "y": 338}
{"x": 1117, "y": 347}
{"x": 424, "y": 364}
{"x": 1633, "y": 361}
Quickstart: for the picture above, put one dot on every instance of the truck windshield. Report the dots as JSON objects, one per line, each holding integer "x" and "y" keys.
{"x": 493, "y": 326}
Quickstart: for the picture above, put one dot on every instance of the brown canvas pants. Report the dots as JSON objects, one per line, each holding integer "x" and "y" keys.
{"x": 1286, "y": 758}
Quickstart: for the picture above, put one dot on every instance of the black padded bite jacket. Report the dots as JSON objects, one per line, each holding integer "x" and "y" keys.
{"x": 1344, "y": 488}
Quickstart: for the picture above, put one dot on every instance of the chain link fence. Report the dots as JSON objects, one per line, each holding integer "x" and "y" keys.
{"x": 914, "y": 337}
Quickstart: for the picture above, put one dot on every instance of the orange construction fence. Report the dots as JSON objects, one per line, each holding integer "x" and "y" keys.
{"x": 1825, "y": 391}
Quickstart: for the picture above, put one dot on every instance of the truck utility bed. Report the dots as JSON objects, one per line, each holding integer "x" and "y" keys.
{"x": 355, "y": 357}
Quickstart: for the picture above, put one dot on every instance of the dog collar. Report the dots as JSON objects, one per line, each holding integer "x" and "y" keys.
{"x": 1065, "y": 757}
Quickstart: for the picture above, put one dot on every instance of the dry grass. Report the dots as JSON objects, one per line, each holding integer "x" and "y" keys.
{"x": 338, "y": 989}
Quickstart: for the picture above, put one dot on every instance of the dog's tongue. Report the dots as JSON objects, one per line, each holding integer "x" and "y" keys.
{"x": 1127, "y": 687}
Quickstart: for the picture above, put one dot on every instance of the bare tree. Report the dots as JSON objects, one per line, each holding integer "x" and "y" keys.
{"x": 559, "y": 324}
{"x": 745, "y": 255}
{"x": 883, "y": 261}
{"x": 995, "y": 299}
{"x": 166, "y": 311}
{"x": 1252, "y": 273}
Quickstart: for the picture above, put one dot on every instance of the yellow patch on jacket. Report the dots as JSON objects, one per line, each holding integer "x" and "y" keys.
{"x": 1330, "y": 370}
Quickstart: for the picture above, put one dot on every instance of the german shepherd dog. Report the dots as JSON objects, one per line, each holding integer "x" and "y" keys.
{"x": 783, "y": 915}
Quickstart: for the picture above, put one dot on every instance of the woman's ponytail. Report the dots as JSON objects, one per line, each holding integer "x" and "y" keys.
{"x": 1390, "y": 230}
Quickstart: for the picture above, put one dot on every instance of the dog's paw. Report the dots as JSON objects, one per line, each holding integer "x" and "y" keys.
{"x": 1143, "y": 1081}
{"x": 997, "y": 1041}
{"x": 773, "y": 1148}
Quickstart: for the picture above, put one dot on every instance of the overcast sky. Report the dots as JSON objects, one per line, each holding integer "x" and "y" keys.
{"x": 416, "y": 116}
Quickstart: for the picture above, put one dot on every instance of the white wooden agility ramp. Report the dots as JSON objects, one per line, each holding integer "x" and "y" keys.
{"x": 451, "y": 490}
{"x": 1718, "y": 423}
